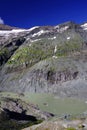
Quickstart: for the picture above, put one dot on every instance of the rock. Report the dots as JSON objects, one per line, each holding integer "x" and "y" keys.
{"x": 18, "y": 107}
{"x": 58, "y": 124}
{"x": 17, "y": 114}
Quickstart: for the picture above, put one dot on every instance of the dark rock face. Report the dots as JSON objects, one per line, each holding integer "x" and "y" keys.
{"x": 20, "y": 116}
{"x": 19, "y": 110}
{"x": 17, "y": 106}
{"x": 13, "y": 114}
{"x": 61, "y": 76}
{"x": 8, "y": 50}
{"x": 50, "y": 59}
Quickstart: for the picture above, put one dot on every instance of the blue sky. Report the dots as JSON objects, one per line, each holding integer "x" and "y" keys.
{"x": 28, "y": 13}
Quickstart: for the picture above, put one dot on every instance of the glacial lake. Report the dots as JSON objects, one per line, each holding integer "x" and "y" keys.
{"x": 59, "y": 106}
{"x": 51, "y": 103}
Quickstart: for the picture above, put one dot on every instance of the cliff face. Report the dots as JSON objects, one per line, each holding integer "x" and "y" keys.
{"x": 50, "y": 59}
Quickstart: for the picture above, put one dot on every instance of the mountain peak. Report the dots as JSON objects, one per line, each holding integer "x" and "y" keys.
{"x": 6, "y": 27}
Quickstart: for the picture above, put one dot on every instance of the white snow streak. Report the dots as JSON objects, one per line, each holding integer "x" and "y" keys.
{"x": 52, "y": 38}
{"x": 68, "y": 38}
{"x": 55, "y": 50}
{"x": 33, "y": 28}
{"x": 39, "y": 33}
{"x": 61, "y": 29}
{"x": 35, "y": 40}
{"x": 12, "y": 31}
{"x": 84, "y": 26}
{"x": 56, "y": 27}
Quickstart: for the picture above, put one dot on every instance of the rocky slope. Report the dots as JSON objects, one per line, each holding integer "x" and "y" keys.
{"x": 15, "y": 113}
{"x": 51, "y": 59}
{"x": 61, "y": 125}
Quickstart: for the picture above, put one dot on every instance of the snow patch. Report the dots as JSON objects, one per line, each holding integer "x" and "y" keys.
{"x": 27, "y": 39}
{"x": 18, "y": 30}
{"x": 14, "y": 31}
{"x": 55, "y": 57}
{"x": 30, "y": 45}
{"x": 61, "y": 29}
{"x": 13, "y": 59}
{"x": 56, "y": 27}
{"x": 39, "y": 33}
{"x": 35, "y": 40}
{"x": 84, "y": 26}
{"x": 68, "y": 38}
{"x": 4, "y": 32}
{"x": 52, "y": 38}
{"x": 33, "y": 28}
{"x": 55, "y": 49}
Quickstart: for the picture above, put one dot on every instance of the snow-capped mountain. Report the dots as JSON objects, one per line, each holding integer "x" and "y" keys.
{"x": 44, "y": 59}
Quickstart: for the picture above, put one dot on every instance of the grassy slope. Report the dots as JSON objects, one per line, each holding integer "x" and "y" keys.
{"x": 30, "y": 54}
